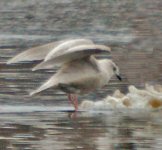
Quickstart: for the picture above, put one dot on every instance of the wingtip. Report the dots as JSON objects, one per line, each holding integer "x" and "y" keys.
{"x": 35, "y": 92}
{"x": 32, "y": 93}
{"x": 109, "y": 48}
{"x": 10, "y": 61}
{"x": 45, "y": 65}
{"x": 46, "y": 58}
{"x": 15, "y": 59}
{"x": 34, "y": 69}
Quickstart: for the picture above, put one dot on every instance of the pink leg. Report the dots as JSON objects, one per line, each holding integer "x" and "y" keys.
{"x": 69, "y": 98}
{"x": 75, "y": 102}
{"x": 73, "y": 99}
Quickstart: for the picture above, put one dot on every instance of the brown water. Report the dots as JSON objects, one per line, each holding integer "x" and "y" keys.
{"x": 133, "y": 29}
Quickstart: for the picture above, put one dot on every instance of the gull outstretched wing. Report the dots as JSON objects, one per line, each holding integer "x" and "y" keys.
{"x": 77, "y": 52}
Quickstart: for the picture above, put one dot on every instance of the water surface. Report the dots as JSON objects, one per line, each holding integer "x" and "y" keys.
{"x": 44, "y": 130}
{"x": 132, "y": 29}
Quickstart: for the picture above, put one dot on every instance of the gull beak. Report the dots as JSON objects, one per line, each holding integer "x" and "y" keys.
{"x": 119, "y": 77}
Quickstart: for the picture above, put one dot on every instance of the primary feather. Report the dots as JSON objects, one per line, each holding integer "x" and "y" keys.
{"x": 36, "y": 53}
{"x": 74, "y": 53}
{"x": 63, "y": 47}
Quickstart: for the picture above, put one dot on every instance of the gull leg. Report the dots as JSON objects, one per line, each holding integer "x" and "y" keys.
{"x": 73, "y": 99}
{"x": 75, "y": 102}
{"x": 70, "y": 98}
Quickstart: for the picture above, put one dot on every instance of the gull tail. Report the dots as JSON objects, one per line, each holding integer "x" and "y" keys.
{"x": 49, "y": 83}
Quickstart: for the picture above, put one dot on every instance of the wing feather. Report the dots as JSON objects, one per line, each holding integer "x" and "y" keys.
{"x": 77, "y": 52}
{"x": 63, "y": 47}
{"x": 48, "y": 50}
{"x": 35, "y": 53}
{"x": 72, "y": 72}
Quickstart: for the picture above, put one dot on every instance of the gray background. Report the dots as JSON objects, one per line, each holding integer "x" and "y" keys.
{"x": 131, "y": 28}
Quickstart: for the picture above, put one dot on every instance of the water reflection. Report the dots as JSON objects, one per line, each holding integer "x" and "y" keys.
{"x": 89, "y": 131}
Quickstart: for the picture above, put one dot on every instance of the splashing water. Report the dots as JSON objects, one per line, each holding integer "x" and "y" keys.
{"x": 148, "y": 98}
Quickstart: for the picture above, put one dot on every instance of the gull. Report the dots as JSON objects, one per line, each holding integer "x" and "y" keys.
{"x": 80, "y": 72}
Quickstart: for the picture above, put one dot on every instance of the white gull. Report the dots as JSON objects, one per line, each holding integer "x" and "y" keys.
{"x": 79, "y": 73}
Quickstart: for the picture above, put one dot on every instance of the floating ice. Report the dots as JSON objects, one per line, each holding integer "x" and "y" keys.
{"x": 150, "y": 98}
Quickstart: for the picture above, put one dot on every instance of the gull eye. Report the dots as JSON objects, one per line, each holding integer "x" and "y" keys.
{"x": 114, "y": 68}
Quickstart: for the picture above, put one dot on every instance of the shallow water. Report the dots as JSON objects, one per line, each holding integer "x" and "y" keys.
{"x": 132, "y": 29}
{"x": 44, "y": 130}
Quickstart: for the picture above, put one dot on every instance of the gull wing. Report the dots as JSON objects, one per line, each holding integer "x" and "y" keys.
{"x": 76, "y": 72}
{"x": 63, "y": 47}
{"x": 77, "y": 52}
{"x": 35, "y": 53}
{"x": 50, "y": 49}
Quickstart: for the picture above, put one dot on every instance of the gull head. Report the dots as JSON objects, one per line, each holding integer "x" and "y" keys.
{"x": 110, "y": 68}
{"x": 116, "y": 71}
